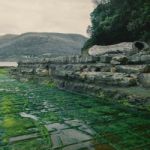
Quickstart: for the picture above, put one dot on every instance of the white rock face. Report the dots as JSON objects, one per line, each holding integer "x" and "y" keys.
{"x": 121, "y": 48}
{"x": 25, "y": 115}
{"x": 97, "y": 50}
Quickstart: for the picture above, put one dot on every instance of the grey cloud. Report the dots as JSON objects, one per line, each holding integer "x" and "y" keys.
{"x": 69, "y": 16}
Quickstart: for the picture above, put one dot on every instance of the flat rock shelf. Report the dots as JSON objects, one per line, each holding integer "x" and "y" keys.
{"x": 39, "y": 117}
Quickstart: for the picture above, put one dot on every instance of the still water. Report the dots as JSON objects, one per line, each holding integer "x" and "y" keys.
{"x": 39, "y": 117}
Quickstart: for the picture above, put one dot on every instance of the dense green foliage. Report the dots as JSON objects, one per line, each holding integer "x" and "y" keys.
{"x": 118, "y": 21}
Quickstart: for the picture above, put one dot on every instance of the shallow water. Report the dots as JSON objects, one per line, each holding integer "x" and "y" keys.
{"x": 65, "y": 120}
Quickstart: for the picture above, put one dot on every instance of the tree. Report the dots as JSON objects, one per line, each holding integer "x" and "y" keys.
{"x": 117, "y": 21}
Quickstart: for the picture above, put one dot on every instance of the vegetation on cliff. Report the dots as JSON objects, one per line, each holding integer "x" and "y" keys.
{"x": 16, "y": 47}
{"x": 117, "y": 21}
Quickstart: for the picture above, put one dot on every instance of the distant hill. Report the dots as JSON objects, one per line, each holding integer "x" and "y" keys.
{"x": 15, "y": 47}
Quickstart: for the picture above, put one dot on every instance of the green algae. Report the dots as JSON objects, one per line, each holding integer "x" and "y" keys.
{"x": 116, "y": 128}
{"x": 43, "y": 133}
{"x": 3, "y": 71}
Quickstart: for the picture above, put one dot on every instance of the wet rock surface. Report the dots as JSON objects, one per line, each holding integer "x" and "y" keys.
{"x": 39, "y": 117}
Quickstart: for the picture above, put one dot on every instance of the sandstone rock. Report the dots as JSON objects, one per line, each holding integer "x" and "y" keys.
{"x": 144, "y": 79}
{"x": 133, "y": 68}
{"x": 27, "y": 70}
{"x": 56, "y": 126}
{"x": 121, "y": 48}
{"x": 42, "y": 72}
{"x": 146, "y": 69}
{"x": 111, "y": 79}
{"x": 139, "y": 59}
{"x": 72, "y": 136}
{"x": 111, "y": 49}
{"x": 72, "y": 59}
{"x": 135, "y": 59}
{"x": 120, "y": 58}
{"x": 23, "y": 137}
{"x": 81, "y": 146}
{"x": 105, "y": 58}
{"x": 50, "y": 71}
{"x": 102, "y": 67}
{"x": 23, "y": 79}
{"x": 74, "y": 123}
{"x": 115, "y": 62}
{"x": 145, "y": 59}
{"x": 113, "y": 69}
{"x": 109, "y": 67}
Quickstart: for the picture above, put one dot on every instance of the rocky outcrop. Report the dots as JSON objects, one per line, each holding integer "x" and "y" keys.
{"x": 121, "y": 48}
{"x": 120, "y": 76}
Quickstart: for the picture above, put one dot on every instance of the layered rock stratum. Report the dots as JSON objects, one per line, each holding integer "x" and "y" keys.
{"x": 122, "y": 76}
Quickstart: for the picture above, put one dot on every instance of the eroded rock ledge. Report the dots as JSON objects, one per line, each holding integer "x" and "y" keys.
{"x": 122, "y": 76}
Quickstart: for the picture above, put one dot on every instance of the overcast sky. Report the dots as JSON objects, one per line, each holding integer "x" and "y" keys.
{"x": 67, "y": 16}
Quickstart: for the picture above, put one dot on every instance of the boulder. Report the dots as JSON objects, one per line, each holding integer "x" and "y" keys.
{"x": 121, "y": 48}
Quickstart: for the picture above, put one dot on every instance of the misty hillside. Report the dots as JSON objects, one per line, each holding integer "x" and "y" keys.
{"x": 14, "y": 47}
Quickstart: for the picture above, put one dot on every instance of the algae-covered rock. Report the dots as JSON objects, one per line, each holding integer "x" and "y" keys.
{"x": 108, "y": 78}
{"x": 123, "y": 65}
{"x": 42, "y": 72}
